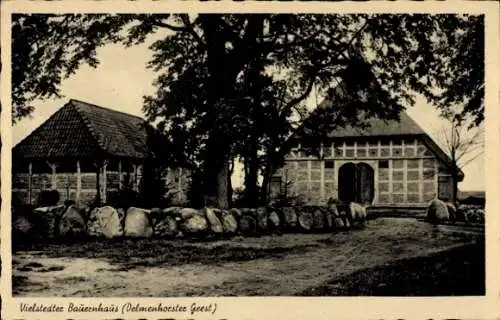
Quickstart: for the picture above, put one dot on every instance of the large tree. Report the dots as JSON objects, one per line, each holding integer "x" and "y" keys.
{"x": 212, "y": 68}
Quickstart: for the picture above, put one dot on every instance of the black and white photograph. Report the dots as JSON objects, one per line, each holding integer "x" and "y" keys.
{"x": 248, "y": 154}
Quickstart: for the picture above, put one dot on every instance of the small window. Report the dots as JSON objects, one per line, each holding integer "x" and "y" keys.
{"x": 328, "y": 164}
{"x": 383, "y": 164}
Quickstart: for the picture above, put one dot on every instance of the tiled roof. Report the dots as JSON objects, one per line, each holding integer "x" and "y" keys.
{"x": 377, "y": 127}
{"x": 80, "y": 129}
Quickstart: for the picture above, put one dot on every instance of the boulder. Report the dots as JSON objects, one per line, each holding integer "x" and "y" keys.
{"x": 105, "y": 222}
{"x": 50, "y": 217}
{"x": 290, "y": 217}
{"x": 155, "y": 215}
{"x": 480, "y": 214}
{"x": 187, "y": 213}
{"x": 358, "y": 213}
{"x": 306, "y": 220}
{"x": 346, "y": 216}
{"x": 248, "y": 225}
{"x": 452, "y": 211}
{"x": 236, "y": 213}
{"x": 195, "y": 225}
{"x": 475, "y": 215}
{"x": 72, "y": 223}
{"x": 318, "y": 219}
{"x": 329, "y": 217}
{"x": 437, "y": 211}
{"x": 166, "y": 226}
{"x": 137, "y": 223}
{"x": 338, "y": 223}
{"x": 213, "y": 220}
{"x": 261, "y": 216}
{"x": 229, "y": 222}
{"x": 274, "y": 220}
{"x": 172, "y": 211}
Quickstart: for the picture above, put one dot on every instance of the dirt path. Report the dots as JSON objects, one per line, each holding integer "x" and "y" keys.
{"x": 328, "y": 256}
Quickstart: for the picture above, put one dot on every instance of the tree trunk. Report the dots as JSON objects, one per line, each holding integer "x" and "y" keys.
{"x": 229, "y": 183}
{"x": 454, "y": 178}
{"x": 220, "y": 88}
{"x": 251, "y": 179}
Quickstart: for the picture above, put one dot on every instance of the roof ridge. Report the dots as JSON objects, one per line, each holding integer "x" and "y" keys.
{"x": 88, "y": 124}
{"x": 108, "y": 109}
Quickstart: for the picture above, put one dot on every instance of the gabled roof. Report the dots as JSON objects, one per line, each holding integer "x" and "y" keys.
{"x": 380, "y": 127}
{"x": 376, "y": 127}
{"x": 80, "y": 129}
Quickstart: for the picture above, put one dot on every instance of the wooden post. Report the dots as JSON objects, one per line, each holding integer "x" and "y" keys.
{"x": 134, "y": 185}
{"x": 53, "y": 166}
{"x": 105, "y": 180}
{"x": 120, "y": 178}
{"x": 30, "y": 174}
{"x": 98, "y": 182}
{"x": 78, "y": 181}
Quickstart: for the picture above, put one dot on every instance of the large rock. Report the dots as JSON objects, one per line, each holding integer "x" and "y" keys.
{"x": 248, "y": 225}
{"x": 274, "y": 220}
{"x": 358, "y": 213}
{"x": 306, "y": 220}
{"x": 213, "y": 220}
{"x": 72, "y": 223}
{"x": 195, "y": 225}
{"x": 236, "y": 213}
{"x": 137, "y": 223}
{"x": 452, "y": 211}
{"x": 261, "y": 216}
{"x": 165, "y": 226}
{"x": 338, "y": 223}
{"x": 290, "y": 217}
{"x": 318, "y": 219}
{"x": 328, "y": 217}
{"x": 480, "y": 213}
{"x": 345, "y": 215}
{"x": 187, "y": 213}
{"x": 50, "y": 217}
{"x": 229, "y": 222}
{"x": 105, "y": 222}
{"x": 437, "y": 211}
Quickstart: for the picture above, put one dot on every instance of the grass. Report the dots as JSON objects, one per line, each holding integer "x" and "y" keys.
{"x": 159, "y": 253}
{"x": 454, "y": 272}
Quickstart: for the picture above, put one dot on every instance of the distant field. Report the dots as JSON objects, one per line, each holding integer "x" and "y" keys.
{"x": 390, "y": 256}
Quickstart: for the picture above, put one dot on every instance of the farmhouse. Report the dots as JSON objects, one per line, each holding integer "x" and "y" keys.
{"x": 83, "y": 151}
{"x": 388, "y": 163}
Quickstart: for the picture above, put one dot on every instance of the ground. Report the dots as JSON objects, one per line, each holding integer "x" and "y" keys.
{"x": 390, "y": 256}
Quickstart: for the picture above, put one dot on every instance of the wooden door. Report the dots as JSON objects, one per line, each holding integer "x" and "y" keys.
{"x": 365, "y": 190}
{"x": 347, "y": 182}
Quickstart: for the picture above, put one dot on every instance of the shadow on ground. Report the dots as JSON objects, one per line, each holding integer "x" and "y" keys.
{"x": 456, "y": 272}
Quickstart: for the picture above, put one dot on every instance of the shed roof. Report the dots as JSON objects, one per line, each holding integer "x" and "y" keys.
{"x": 81, "y": 129}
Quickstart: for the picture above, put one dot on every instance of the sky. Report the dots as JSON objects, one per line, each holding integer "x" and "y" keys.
{"x": 122, "y": 79}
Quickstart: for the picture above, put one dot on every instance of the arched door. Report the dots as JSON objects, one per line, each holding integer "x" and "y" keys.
{"x": 365, "y": 183}
{"x": 347, "y": 182}
{"x": 356, "y": 183}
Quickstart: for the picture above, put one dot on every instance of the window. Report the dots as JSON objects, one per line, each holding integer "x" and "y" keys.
{"x": 328, "y": 164}
{"x": 383, "y": 164}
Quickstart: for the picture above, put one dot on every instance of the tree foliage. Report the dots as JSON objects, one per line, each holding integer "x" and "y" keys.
{"x": 236, "y": 84}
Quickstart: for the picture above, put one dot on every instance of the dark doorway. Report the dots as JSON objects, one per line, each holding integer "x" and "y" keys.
{"x": 356, "y": 183}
